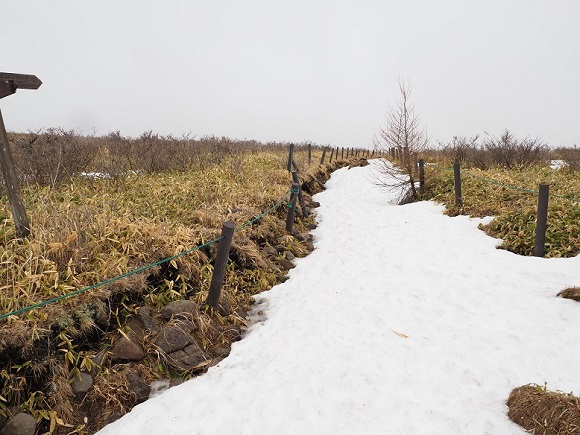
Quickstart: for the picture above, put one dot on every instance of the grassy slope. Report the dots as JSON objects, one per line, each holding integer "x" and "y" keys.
{"x": 87, "y": 231}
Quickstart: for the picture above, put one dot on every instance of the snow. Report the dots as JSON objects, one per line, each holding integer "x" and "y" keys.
{"x": 402, "y": 321}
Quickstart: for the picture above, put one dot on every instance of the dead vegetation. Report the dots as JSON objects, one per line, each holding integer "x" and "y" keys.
{"x": 122, "y": 211}
{"x": 544, "y": 412}
{"x": 571, "y": 293}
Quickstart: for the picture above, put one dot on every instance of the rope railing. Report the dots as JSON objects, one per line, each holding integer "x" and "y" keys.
{"x": 142, "y": 268}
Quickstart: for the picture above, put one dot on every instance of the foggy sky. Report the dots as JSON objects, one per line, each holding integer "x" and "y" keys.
{"x": 320, "y": 70}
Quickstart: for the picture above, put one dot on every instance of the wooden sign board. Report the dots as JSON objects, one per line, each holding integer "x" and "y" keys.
{"x": 9, "y": 82}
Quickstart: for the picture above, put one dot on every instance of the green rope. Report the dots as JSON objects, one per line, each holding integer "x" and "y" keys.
{"x": 138, "y": 270}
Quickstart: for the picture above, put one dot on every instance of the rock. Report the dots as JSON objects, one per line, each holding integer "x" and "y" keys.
{"x": 312, "y": 226}
{"x": 303, "y": 236}
{"x": 270, "y": 250}
{"x": 283, "y": 278}
{"x": 280, "y": 248}
{"x": 98, "y": 361}
{"x": 315, "y": 204}
{"x": 21, "y": 424}
{"x": 175, "y": 336}
{"x": 185, "y": 308}
{"x": 222, "y": 352}
{"x": 128, "y": 348}
{"x": 138, "y": 387}
{"x": 158, "y": 387}
{"x": 310, "y": 246}
{"x": 289, "y": 255}
{"x": 81, "y": 383}
{"x": 146, "y": 321}
{"x": 188, "y": 358}
{"x": 175, "y": 382}
{"x": 286, "y": 264}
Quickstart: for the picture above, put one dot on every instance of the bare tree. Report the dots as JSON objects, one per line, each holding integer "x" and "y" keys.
{"x": 402, "y": 138}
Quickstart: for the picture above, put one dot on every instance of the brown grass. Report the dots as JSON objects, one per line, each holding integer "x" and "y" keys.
{"x": 571, "y": 293}
{"x": 544, "y": 412}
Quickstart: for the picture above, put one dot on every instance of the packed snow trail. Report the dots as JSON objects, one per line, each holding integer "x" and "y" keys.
{"x": 402, "y": 321}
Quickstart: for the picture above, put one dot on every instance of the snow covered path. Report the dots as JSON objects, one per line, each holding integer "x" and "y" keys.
{"x": 402, "y": 321}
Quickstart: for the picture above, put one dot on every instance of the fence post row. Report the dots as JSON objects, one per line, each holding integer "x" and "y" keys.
{"x": 221, "y": 261}
{"x": 542, "y": 220}
{"x": 292, "y": 206}
{"x": 457, "y": 183}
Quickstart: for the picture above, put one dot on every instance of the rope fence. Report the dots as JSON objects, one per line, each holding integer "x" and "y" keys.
{"x": 146, "y": 267}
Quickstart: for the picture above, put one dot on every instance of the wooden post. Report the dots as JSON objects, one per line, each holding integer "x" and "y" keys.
{"x": 296, "y": 180}
{"x": 290, "y": 157}
{"x": 323, "y": 156}
{"x": 221, "y": 262}
{"x": 342, "y": 152}
{"x": 292, "y": 207}
{"x": 457, "y": 182}
{"x": 421, "y": 175}
{"x": 331, "y": 154}
{"x": 309, "y": 153}
{"x": 336, "y": 155}
{"x": 11, "y": 182}
{"x": 542, "y": 221}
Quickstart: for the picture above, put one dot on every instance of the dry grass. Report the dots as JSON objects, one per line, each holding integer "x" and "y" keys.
{"x": 571, "y": 293}
{"x": 544, "y": 412}
{"x": 88, "y": 230}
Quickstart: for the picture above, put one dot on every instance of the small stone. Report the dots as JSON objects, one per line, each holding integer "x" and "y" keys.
{"x": 184, "y": 308}
{"x": 138, "y": 387}
{"x": 21, "y": 424}
{"x": 175, "y": 336}
{"x": 222, "y": 352}
{"x": 289, "y": 255}
{"x": 286, "y": 264}
{"x": 175, "y": 382}
{"x": 283, "y": 278}
{"x": 144, "y": 315}
{"x": 188, "y": 358}
{"x": 310, "y": 246}
{"x": 270, "y": 250}
{"x": 315, "y": 204}
{"x": 128, "y": 348}
{"x": 98, "y": 361}
{"x": 81, "y": 383}
{"x": 312, "y": 226}
{"x": 280, "y": 248}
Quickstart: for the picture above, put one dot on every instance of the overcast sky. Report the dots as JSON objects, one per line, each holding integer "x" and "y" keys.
{"x": 318, "y": 70}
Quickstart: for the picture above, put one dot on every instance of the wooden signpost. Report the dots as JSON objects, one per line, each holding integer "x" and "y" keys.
{"x": 9, "y": 83}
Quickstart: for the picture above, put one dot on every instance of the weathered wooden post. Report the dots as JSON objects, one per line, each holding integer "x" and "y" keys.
{"x": 342, "y": 152}
{"x": 337, "y": 148}
{"x": 457, "y": 183}
{"x": 542, "y": 220}
{"x": 309, "y": 153}
{"x": 296, "y": 180}
{"x": 290, "y": 157}
{"x": 292, "y": 206}
{"x": 421, "y": 175}
{"x": 331, "y": 155}
{"x": 9, "y": 83}
{"x": 221, "y": 262}
{"x": 323, "y": 156}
